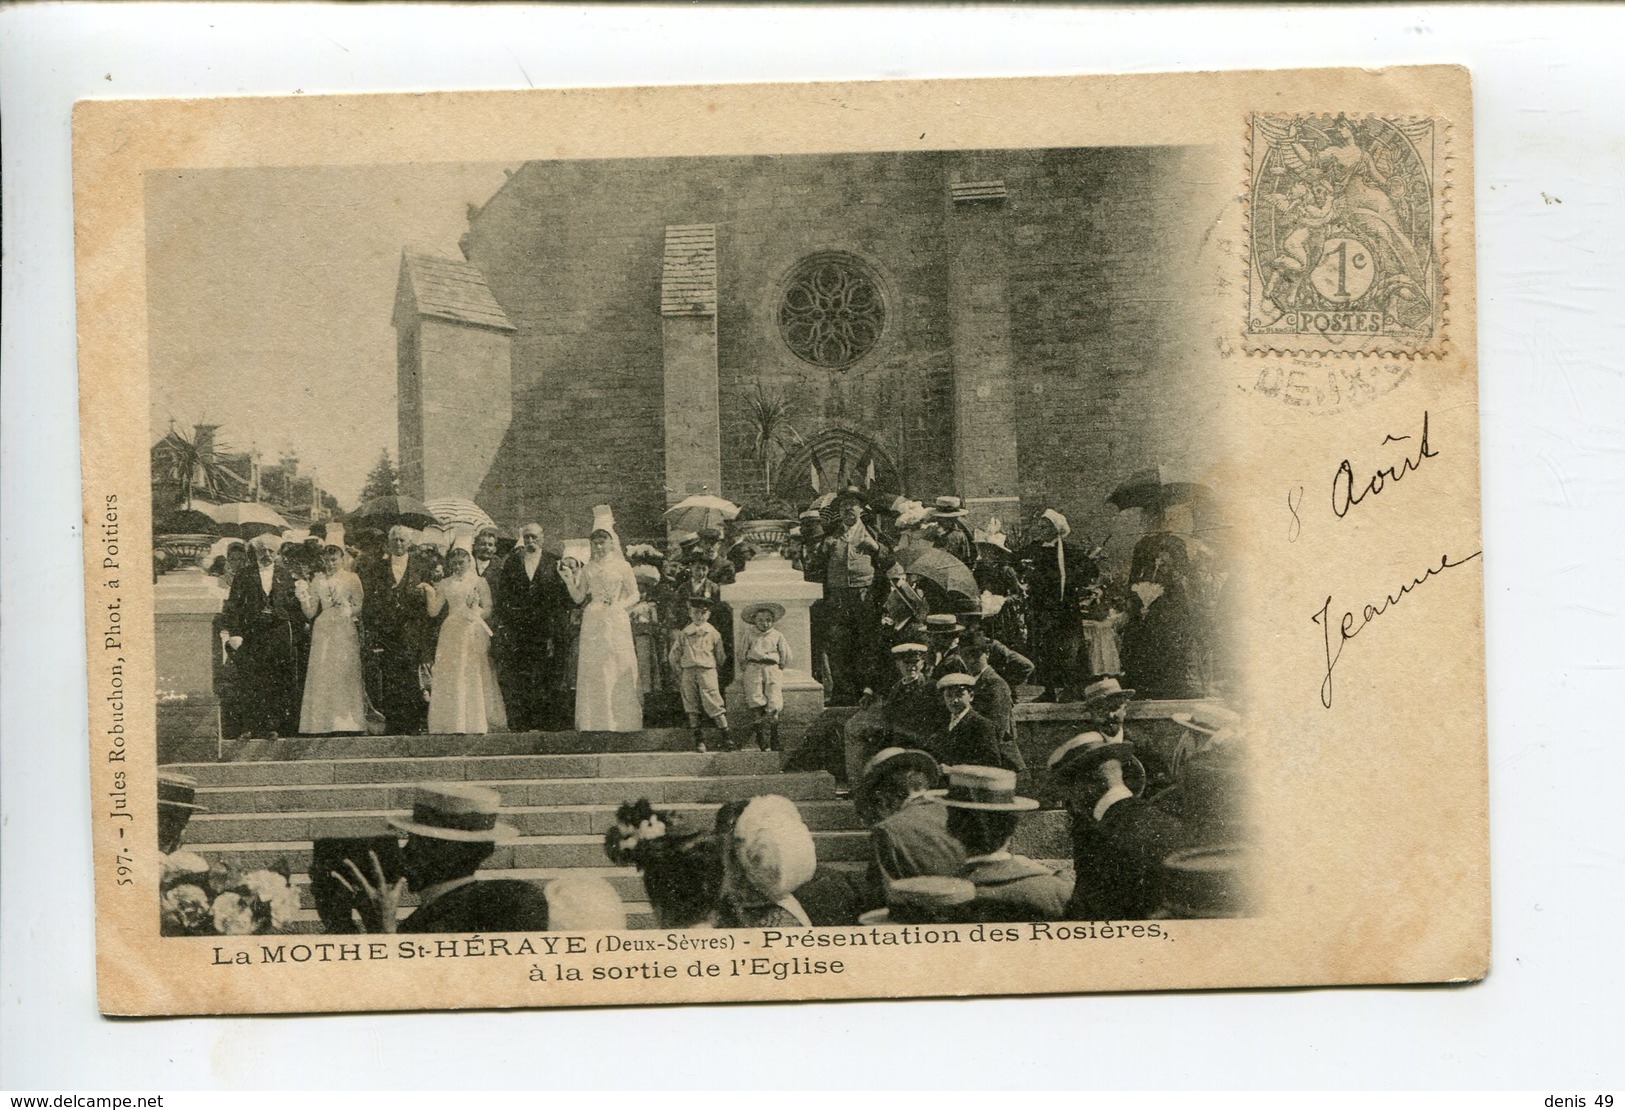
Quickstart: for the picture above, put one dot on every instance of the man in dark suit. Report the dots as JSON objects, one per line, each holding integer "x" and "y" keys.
{"x": 1058, "y": 579}
{"x": 399, "y": 632}
{"x": 968, "y": 737}
{"x": 262, "y": 619}
{"x": 453, "y": 829}
{"x": 1119, "y": 840}
{"x": 532, "y": 620}
{"x": 909, "y": 829}
{"x": 991, "y": 698}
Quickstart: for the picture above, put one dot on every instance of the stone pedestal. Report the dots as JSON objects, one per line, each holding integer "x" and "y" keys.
{"x": 770, "y": 577}
{"x": 185, "y": 604}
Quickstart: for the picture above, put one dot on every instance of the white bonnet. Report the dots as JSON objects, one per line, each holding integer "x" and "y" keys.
{"x": 1062, "y": 528}
{"x": 773, "y": 846}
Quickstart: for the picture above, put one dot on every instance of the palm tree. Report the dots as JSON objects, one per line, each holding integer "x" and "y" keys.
{"x": 196, "y": 463}
{"x": 769, "y": 418}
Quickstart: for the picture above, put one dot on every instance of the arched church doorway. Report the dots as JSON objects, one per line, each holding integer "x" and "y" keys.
{"x": 833, "y": 460}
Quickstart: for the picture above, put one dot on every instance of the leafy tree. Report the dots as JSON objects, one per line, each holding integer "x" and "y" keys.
{"x": 383, "y": 481}
{"x": 196, "y": 464}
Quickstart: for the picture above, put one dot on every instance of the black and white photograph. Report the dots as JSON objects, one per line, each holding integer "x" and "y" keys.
{"x": 846, "y": 551}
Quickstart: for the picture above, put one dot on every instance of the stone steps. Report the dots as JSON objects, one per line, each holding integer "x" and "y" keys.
{"x": 561, "y": 850}
{"x": 480, "y": 768}
{"x": 377, "y": 747}
{"x": 531, "y": 820}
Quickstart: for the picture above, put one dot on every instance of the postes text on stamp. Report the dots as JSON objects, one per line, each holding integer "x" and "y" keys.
{"x": 1344, "y": 218}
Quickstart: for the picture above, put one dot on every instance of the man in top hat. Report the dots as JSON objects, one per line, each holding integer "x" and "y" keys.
{"x": 968, "y": 737}
{"x": 263, "y": 622}
{"x": 1058, "y": 579}
{"x": 991, "y": 697}
{"x": 983, "y": 812}
{"x": 1119, "y": 840}
{"x": 909, "y": 828}
{"x": 953, "y": 535}
{"x": 452, "y": 831}
{"x": 532, "y": 618}
{"x": 399, "y": 632}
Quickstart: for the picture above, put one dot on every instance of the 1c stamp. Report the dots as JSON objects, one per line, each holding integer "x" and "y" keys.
{"x": 1344, "y": 229}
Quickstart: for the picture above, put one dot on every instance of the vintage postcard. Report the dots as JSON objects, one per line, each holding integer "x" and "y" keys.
{"x": 665, "y": 545}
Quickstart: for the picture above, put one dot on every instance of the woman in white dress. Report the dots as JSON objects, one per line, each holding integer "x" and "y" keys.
{"x": 607, "y": 697}
{"x": 465, "y": 697}
{"x": 334, "y": 700}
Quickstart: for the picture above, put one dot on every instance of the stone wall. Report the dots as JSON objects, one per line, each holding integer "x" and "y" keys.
{"x": 572, "y": 251}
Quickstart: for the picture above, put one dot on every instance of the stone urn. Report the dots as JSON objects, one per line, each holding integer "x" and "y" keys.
{"x": 767, "y": 536}
{"x": 183, "y": 551}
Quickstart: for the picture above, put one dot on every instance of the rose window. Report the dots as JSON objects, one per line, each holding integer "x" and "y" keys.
{"x": 832, "y": 312}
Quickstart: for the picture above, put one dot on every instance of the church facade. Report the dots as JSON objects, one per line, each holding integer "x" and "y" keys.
{"x": 1001, "y": 325}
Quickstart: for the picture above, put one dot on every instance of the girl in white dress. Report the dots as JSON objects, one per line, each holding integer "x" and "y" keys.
{"x": 607, "y": 697}
{"x": 334, "y": 700}
{"x": 465, "y": 697}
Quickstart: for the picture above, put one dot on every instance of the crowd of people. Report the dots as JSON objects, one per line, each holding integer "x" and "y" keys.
{"x": 1157, "y": 831}
{"x": 401, "y": 632}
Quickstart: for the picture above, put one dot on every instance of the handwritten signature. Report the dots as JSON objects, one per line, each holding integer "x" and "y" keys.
{"x": 1344, "y": 495}
{"x": 1347, "y": 628}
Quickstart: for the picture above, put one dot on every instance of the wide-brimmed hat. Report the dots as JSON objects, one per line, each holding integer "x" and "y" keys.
{"x": 748, "y": 613}
{"x": 943, "y": 622}
{"x": 954, "y": 679}
{"x": 709, "y": 535}
{"x": 909, "y": 649}
{"x": 1207, "y": 880}
{"x": 920, "y": 900}
{"x": 178, "y": 791}
{"x": 993, "y": 788}
{"x": 455, "y": 811}
{"x": 889, "y": 760}
{"x": 1211, "y": 719}
{"x": 1105, "y": 689}
{"x": 851, "y": 495}
{"x": 697, "y": 557}
{"x": 949, "y": 506}
{"x": 700, "y": 601}
{"x": 773, "y": 846}
{"x": 643, "y": 572}
{"x": 1079, "y": 756}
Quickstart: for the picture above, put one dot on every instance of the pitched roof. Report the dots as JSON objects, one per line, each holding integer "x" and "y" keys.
{"x": 449, "y": 290}
{"x": 688, "y": 274}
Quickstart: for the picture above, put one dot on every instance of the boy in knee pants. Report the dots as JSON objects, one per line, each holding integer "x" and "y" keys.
{"x": 766, "y": 655}
{"x": 696, "y": 655}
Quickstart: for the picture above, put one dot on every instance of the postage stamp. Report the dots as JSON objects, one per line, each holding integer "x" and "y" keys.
{"x": 1345, "y": 228}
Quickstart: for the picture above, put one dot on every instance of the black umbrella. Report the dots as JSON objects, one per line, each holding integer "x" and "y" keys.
{"x": 384, "y": 512}
{"x": 1154, "y": 489}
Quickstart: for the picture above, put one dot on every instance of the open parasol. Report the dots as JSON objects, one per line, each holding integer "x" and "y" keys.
{"x": 702, "y": 510}
{"x": 936, "y": 565}
{"x": 1156, "y": 489}
{"x": 384, "y": 512}
{"x": 245, "y": 519}
{"x": 453, "y": 512}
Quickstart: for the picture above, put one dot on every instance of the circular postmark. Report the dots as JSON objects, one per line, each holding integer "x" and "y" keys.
{"x": 1327, "y": 385}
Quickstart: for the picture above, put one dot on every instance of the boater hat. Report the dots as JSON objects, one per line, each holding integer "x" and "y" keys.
{"x": 1079, "y": 756}
{"x": 909, "y": 649}
{"x": 920, "y": 900}
{"x": 949, "y": 506}
{"x": 750, "y": 611}
{"x": 455, "y": 811}
{"x": 992, "y": 788}
{"x": 1211, "y": 719}
{"x": 1105, "y": 689}
{"x": 943, "y": 622}
{"x": 956, "y": 678}
{"x": 888, "y": 760}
